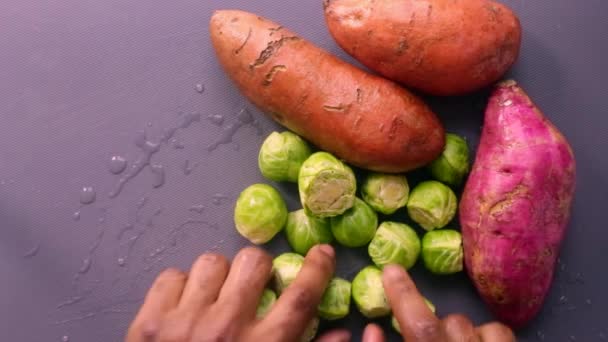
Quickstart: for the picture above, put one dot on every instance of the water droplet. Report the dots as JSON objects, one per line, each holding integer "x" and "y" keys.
{"x": 602, "y": 336}
{"x": 563, "y": 299}
{"x": 188, "y": 167}
{"x": 86, "y": 266}
{"x": 200, "y": 88}
{"x": 588, "y": 301}
{"x": 197, "y": 208}
{"x": 140, "y": 139}
{"x": 148, "y": 149}
{"x": 158, "y": 172}
{"x": 177, "y": 144}
{"x": 32, "y": 252}
{"x": 540, "y": 335}
{"x": 189, "y": 119}
{"x": 87, "y": 195}
{"x": 572, "y": 338}
{"x": 218, "y": 199}
{"x": 117, "y": 164}
{"x": 121, "y": 262}
{"x": 65, "y": 338}
{"x": 149, "y": 124}
{"x": 216, "y": 119}
{"x": 506, "y": 103}
{"x": 76, "y": 215}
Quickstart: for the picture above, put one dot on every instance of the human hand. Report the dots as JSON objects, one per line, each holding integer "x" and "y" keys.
{"x": 419, "y": 324}
{"x": 217, "y": 301}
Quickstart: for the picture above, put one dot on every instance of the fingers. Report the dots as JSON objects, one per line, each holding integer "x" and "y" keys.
{"x": 335, "y": 336}
{"x": 416, "y": 320}
{"x": 246, "y": 280}
{"x": 204, "y": 282}
{"x": 495, "y": 332}
{"x": 298, "y": 303}
{"x": 459, "y": 328}
{"x": 162, "y": 297}
{"x": 373, "y": 333}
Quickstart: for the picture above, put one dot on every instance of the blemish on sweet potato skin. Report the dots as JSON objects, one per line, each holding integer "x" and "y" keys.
{"x": 516, "y": 206}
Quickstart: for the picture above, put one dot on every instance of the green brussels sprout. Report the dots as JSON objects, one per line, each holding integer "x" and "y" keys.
{"x": 432, "y": 205}
{"x": 304, "y": 231}
{"x": 453, "y": 164}
{"x": 268, "y": 299}
{"x": 385, "y": 193}
{"x": 442, "y": 251}
{"x": 394, "y": 243}
{"x": 368, "y": 293}
{"x": 395, "y": 324}
{"x": 335, "y": 303}
{"x": 282, "y": 155}
{"x": 285, "y": 268}
{"x": 260, "y": 213}
{"x": 327, "y": 186}
{"x": 311, "y": 330}
{"x": 357, "y": 226}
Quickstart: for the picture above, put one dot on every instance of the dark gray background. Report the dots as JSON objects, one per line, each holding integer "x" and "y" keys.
{"x": 80, "y": 78}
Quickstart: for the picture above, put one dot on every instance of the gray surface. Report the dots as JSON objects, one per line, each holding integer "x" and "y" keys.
{"x": 79, "y": 79}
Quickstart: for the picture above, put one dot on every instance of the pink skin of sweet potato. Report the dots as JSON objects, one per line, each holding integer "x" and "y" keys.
{"x": 516, "y": 206}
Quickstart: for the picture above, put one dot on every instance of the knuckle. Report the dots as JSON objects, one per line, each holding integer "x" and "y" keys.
{"x": 428, "y": 331}
{"x": 302, "y": 298}
{"x": 253, "y": 253}
{"x": 171, "y": 274}
{"x": 457, "y": 320}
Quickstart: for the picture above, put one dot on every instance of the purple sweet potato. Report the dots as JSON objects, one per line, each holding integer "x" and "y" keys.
{"x": 516, "y": 206}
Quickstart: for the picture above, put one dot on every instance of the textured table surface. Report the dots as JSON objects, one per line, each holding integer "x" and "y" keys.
{"x": 84, "y": 81}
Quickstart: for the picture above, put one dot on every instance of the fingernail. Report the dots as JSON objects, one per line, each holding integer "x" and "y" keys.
{"x": 328, "y": 250}
{"x": 393, "y": 272}
{"x": 344, "y": 336}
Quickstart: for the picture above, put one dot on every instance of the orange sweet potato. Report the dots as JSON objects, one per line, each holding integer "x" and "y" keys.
{"x": 366, "y": 120}
{"x": 442, "y": 47}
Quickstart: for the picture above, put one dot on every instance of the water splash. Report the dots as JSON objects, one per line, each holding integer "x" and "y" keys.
{"x": 216, "y": 119}
{"x": 243, "y": 118}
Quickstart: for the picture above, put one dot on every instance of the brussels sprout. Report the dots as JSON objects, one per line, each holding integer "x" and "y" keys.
{"x": 285, "y": 268}
{"x": 432, "y": 205}
{"x": 335, "y": 303}
{"x": 368, "y": 293}
{"x": 266, "y": 302}
{"x": 282, "y": 155}
{"x": 453, "y": 164}
{"x": 385, "y": 193}
{"x": 260, "y": 213}
{"x": 394, "y": 243}
{"x": 327, "y": 186}
{"x": 395, "y": 324}
{"x": 442, "y": 251}
{"x": 304, "y": 231}
{"x": 357, "y": 226}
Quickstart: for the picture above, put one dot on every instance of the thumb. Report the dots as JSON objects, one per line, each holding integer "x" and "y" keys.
{"x": 335, "y": 336}
{"x": 373, "y": 333}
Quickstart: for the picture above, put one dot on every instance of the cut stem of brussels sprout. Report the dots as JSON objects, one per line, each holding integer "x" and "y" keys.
{"x": 442, "y": 251}
{"x": 268, "y": 299}
{"x": 452, "y": 165}
{"x": 285, "y": 268}
{"x": 304, "y": 231}
{"x": 282, "y": 156}
{"x": 432, "y": 205}
{"x": 368, "y": 293}
{"x": 327, "y": 186}
{"x": 260, "y": 213}
{"x": 311, "y": 330}
{"x": 395, "y": 323}
{"x": 394, "y": 243}
{"x": 357, "y": 226}
{"x": 385, "y": 193}
{"x": 335, "y": 303}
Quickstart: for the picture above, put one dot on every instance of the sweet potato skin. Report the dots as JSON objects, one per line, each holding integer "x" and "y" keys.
{"x": 366, "y": 120}
{"x": 441, "y": 47}
{"x": 516, "y": 206}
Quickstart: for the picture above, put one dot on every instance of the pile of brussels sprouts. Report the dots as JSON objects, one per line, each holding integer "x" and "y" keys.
{"x": 332, "y": 211}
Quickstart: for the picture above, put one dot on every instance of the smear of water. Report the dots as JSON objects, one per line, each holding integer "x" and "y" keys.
{"x": 117, "y": 164}
{"x": 32, "y": 252}
{"x": 86, "y": 266}
{"x": 123, "y": 230}
{"x": 87, "y": 195}
{"x": 177, "y": 144}
{"x": 197, "y": 208}
{"x": 188, "y": 167}
{"x": 157, "y": 212}
{"x": 216, "y": 119}
{"x": 70, "y": 301}
{"x": 243, "y": 118}
{"x": 158, "y": 172}
{"x": 88, "y": 260}
{"x": 218, "y": 199}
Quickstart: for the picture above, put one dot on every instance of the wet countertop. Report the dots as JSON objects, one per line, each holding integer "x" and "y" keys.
{"x": 123, "y": 147}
